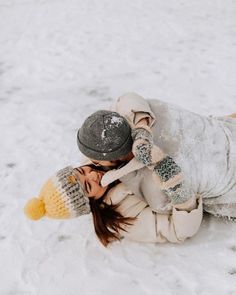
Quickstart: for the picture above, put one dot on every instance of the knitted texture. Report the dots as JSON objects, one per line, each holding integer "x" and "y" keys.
{"x": 61, "y": 197}
{"x": 105, "y": 135}
{"x": 142, "y": 133}
{"x": 35, "y": 209}
{"x": 167, "y": 168}
{"x": 171, "y": 180}
{"x": 178, "y": 194}
{"x": 142, "y": 146}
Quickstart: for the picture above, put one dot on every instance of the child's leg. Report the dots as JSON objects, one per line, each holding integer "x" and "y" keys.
{"x": 224, "y": 205}
{"x": 232, "y": 115}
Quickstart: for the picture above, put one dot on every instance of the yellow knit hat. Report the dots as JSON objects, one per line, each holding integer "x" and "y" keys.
{"x": 61, "y": 197}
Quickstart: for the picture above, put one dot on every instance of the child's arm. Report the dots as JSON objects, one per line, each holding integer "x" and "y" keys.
{"x": 171, "y": 180}
{"x": 168, "y": 173}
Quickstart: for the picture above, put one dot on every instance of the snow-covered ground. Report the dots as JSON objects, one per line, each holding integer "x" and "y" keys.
{"x": 60, "y": 61}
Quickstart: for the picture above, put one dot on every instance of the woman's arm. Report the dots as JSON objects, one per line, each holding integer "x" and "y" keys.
{"x": 150, "y": 226}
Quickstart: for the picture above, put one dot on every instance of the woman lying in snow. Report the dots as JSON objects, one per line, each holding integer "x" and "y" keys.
{"x": 194, "y": 155}
{"x": 117, "y": 211}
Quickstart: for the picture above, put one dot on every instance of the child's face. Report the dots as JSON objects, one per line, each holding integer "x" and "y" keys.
{"x": 91, "y": 181}
{"x": 114, "y": 163}
{"x": 104, "y": 163}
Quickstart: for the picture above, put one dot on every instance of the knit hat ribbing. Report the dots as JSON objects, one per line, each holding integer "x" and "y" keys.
{"x": 61, "y": 197}
{"x": 105, "y": 135}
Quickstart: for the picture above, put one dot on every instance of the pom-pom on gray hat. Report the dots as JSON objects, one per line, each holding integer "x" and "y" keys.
{"x": 105, "y": 135}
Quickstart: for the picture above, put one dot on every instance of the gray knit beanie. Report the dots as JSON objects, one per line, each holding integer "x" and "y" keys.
{"x": 105, "y": 135}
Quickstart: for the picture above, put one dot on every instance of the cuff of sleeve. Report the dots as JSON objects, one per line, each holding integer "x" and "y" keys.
{"x": 138, "y": 116}
{"x": 187, "y": 223}
{"x": 188, "y": 205}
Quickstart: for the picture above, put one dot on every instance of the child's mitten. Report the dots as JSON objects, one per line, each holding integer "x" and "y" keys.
{"x": 143, "y": 147}
{"x": 171, "y": 181}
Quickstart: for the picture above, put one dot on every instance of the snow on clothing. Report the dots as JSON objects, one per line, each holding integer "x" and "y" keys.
{"x": 149, "y": 226}
{"x": 204, "y": 147}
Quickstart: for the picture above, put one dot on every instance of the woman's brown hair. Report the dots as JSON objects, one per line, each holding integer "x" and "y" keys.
{"x": 107, "y": 220}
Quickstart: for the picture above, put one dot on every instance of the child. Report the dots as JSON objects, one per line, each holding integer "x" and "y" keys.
{"x": 204, "y": 148}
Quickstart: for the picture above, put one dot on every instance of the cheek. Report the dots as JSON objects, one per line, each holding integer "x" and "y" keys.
{"x": 101, "y": 189}
{"x": 97, "y": 190}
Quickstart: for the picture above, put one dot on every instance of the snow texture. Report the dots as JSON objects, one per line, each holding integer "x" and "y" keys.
{"x": 103, "y": 134}
{"x": 116, "y": 121}
{"x": 59, "y": 62}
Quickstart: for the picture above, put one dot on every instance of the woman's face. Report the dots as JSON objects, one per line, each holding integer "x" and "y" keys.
{"x": 91, "y": 181}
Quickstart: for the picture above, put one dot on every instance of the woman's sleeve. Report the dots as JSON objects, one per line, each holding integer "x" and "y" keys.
{"x": 134, "y": 108}
{"x": 182, "y": 224}
{"x": 174, "y": 227}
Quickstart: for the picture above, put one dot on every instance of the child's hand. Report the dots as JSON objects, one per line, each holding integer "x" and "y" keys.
{"x": 142, "y": 145}
{"x": 143, "y": 148}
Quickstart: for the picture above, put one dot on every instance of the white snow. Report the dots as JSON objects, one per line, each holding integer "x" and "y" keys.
{"x": 103, "y": 134}
{"x": 116, "y": 121}
{"x": 62, "y": 60}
